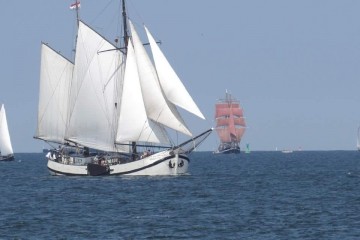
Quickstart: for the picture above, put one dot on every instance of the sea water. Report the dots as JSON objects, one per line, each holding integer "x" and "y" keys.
{"x": 261, "y": 195}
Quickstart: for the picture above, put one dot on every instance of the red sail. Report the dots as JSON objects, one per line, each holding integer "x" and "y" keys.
{"x": 240, "y": 122}
{"x": 230, "y": 123}
{"x": 238, "y": 112}
{"x": 224, "y": 134}
{"x": 222, "y": 122}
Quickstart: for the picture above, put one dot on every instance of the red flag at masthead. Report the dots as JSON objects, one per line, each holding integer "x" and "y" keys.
{"x": 75, "y": 5}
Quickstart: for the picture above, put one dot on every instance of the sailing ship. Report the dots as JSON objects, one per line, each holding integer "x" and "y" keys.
{"x": 230, "y": 124}
{"x": 6, "y": 150}
{"x": 111, "y": 104}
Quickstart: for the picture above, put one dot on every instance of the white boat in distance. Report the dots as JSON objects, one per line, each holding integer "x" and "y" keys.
{"x": 358, "y": 139}
{"x": 6, "y": 150}
{"x": 109, "y": 103}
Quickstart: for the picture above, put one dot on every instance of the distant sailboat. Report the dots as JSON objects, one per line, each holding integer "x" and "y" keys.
{"x": 230, "y": 124}
{"x": 6, "y": 150}
{"x": 110, "y": 102}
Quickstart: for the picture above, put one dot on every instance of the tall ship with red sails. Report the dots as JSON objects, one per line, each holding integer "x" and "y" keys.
{"x": 230, "y": 124}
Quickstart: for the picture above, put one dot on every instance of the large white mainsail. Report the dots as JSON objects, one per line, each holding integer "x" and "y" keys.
{"x": 133, "y": 124}
{"x": 5, "y": 143}
{"x": 55, "y": 76}
{"x": 172, "y": 86}
{"x": 158, "y": 108}
{"x": 93, "y": 106}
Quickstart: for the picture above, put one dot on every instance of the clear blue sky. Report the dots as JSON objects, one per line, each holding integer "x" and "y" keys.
{"x": 294, "y": 65}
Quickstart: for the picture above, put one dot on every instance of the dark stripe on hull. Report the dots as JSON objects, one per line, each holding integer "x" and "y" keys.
{"x": 7, "y": 159}
{"x": 67, "y": 174}
{"x": 150, "y": 165}
{"x": 123, "y": 173}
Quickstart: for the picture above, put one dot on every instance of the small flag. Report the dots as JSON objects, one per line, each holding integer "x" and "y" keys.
{"x": 75, "y": 5}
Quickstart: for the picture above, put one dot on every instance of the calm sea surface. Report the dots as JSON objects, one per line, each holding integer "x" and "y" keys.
{"x": 261, "y": 195}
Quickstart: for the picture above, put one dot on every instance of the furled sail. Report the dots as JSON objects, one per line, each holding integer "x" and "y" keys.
{"x": 5, "y": 143}
{"x": 133, "y": 124}
{"x": 93, "y": 106}
{"x": 158, "y": 108}
{"x": 172, "y": 86}
{"x": 55, "y": 76}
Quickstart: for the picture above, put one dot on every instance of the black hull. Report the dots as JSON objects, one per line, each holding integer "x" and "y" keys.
{"x": 228, "y": 151}
{"x": 97, "y": 170}
{"x": 227, "y": 148}
{"x": 7, "y": 158}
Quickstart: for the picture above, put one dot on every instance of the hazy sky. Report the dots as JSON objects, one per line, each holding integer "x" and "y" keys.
{"x": 294, "y": 65}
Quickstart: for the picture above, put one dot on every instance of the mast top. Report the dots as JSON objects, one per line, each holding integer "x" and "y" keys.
{"x": 124, "y": 15}
{"x": 76, "y": 6}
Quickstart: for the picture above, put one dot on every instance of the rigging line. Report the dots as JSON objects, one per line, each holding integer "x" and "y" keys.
{"x": 89, "y": 61}
{"x": 101, "y": 12}
{"x": 121, "y": 49}
{"x": 171, "y": 142}
{"x": 133, "y": 10}
{"x": 114, "y": 73}
{"x": 143, "y": 128}
{"x": 115, "y": 49}
{"x": 163, "y": 132}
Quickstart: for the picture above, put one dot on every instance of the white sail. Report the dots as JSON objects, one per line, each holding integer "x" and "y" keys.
{"x": 55, "y": 76}
{"x": 172, "y": 86}
{"x": 5, "y": 143}
{"x": 93, "y": 106}
{"x": 133, "y": 124}
{"x": 158, "y": 108}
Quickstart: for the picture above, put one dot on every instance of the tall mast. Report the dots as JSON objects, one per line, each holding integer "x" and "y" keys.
{"x": 126, "y": 35}
{"x": 77, "y": 13}
{"x": 77, "y": 8}
{"x": 126, "y": 40}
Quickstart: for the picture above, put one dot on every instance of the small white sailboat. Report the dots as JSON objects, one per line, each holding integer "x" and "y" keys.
{"x": 110, "y": 102}
{"x": 6, "y": 150}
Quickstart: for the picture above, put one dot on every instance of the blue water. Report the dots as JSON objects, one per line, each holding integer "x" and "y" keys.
{"x": 261, "y": 195}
